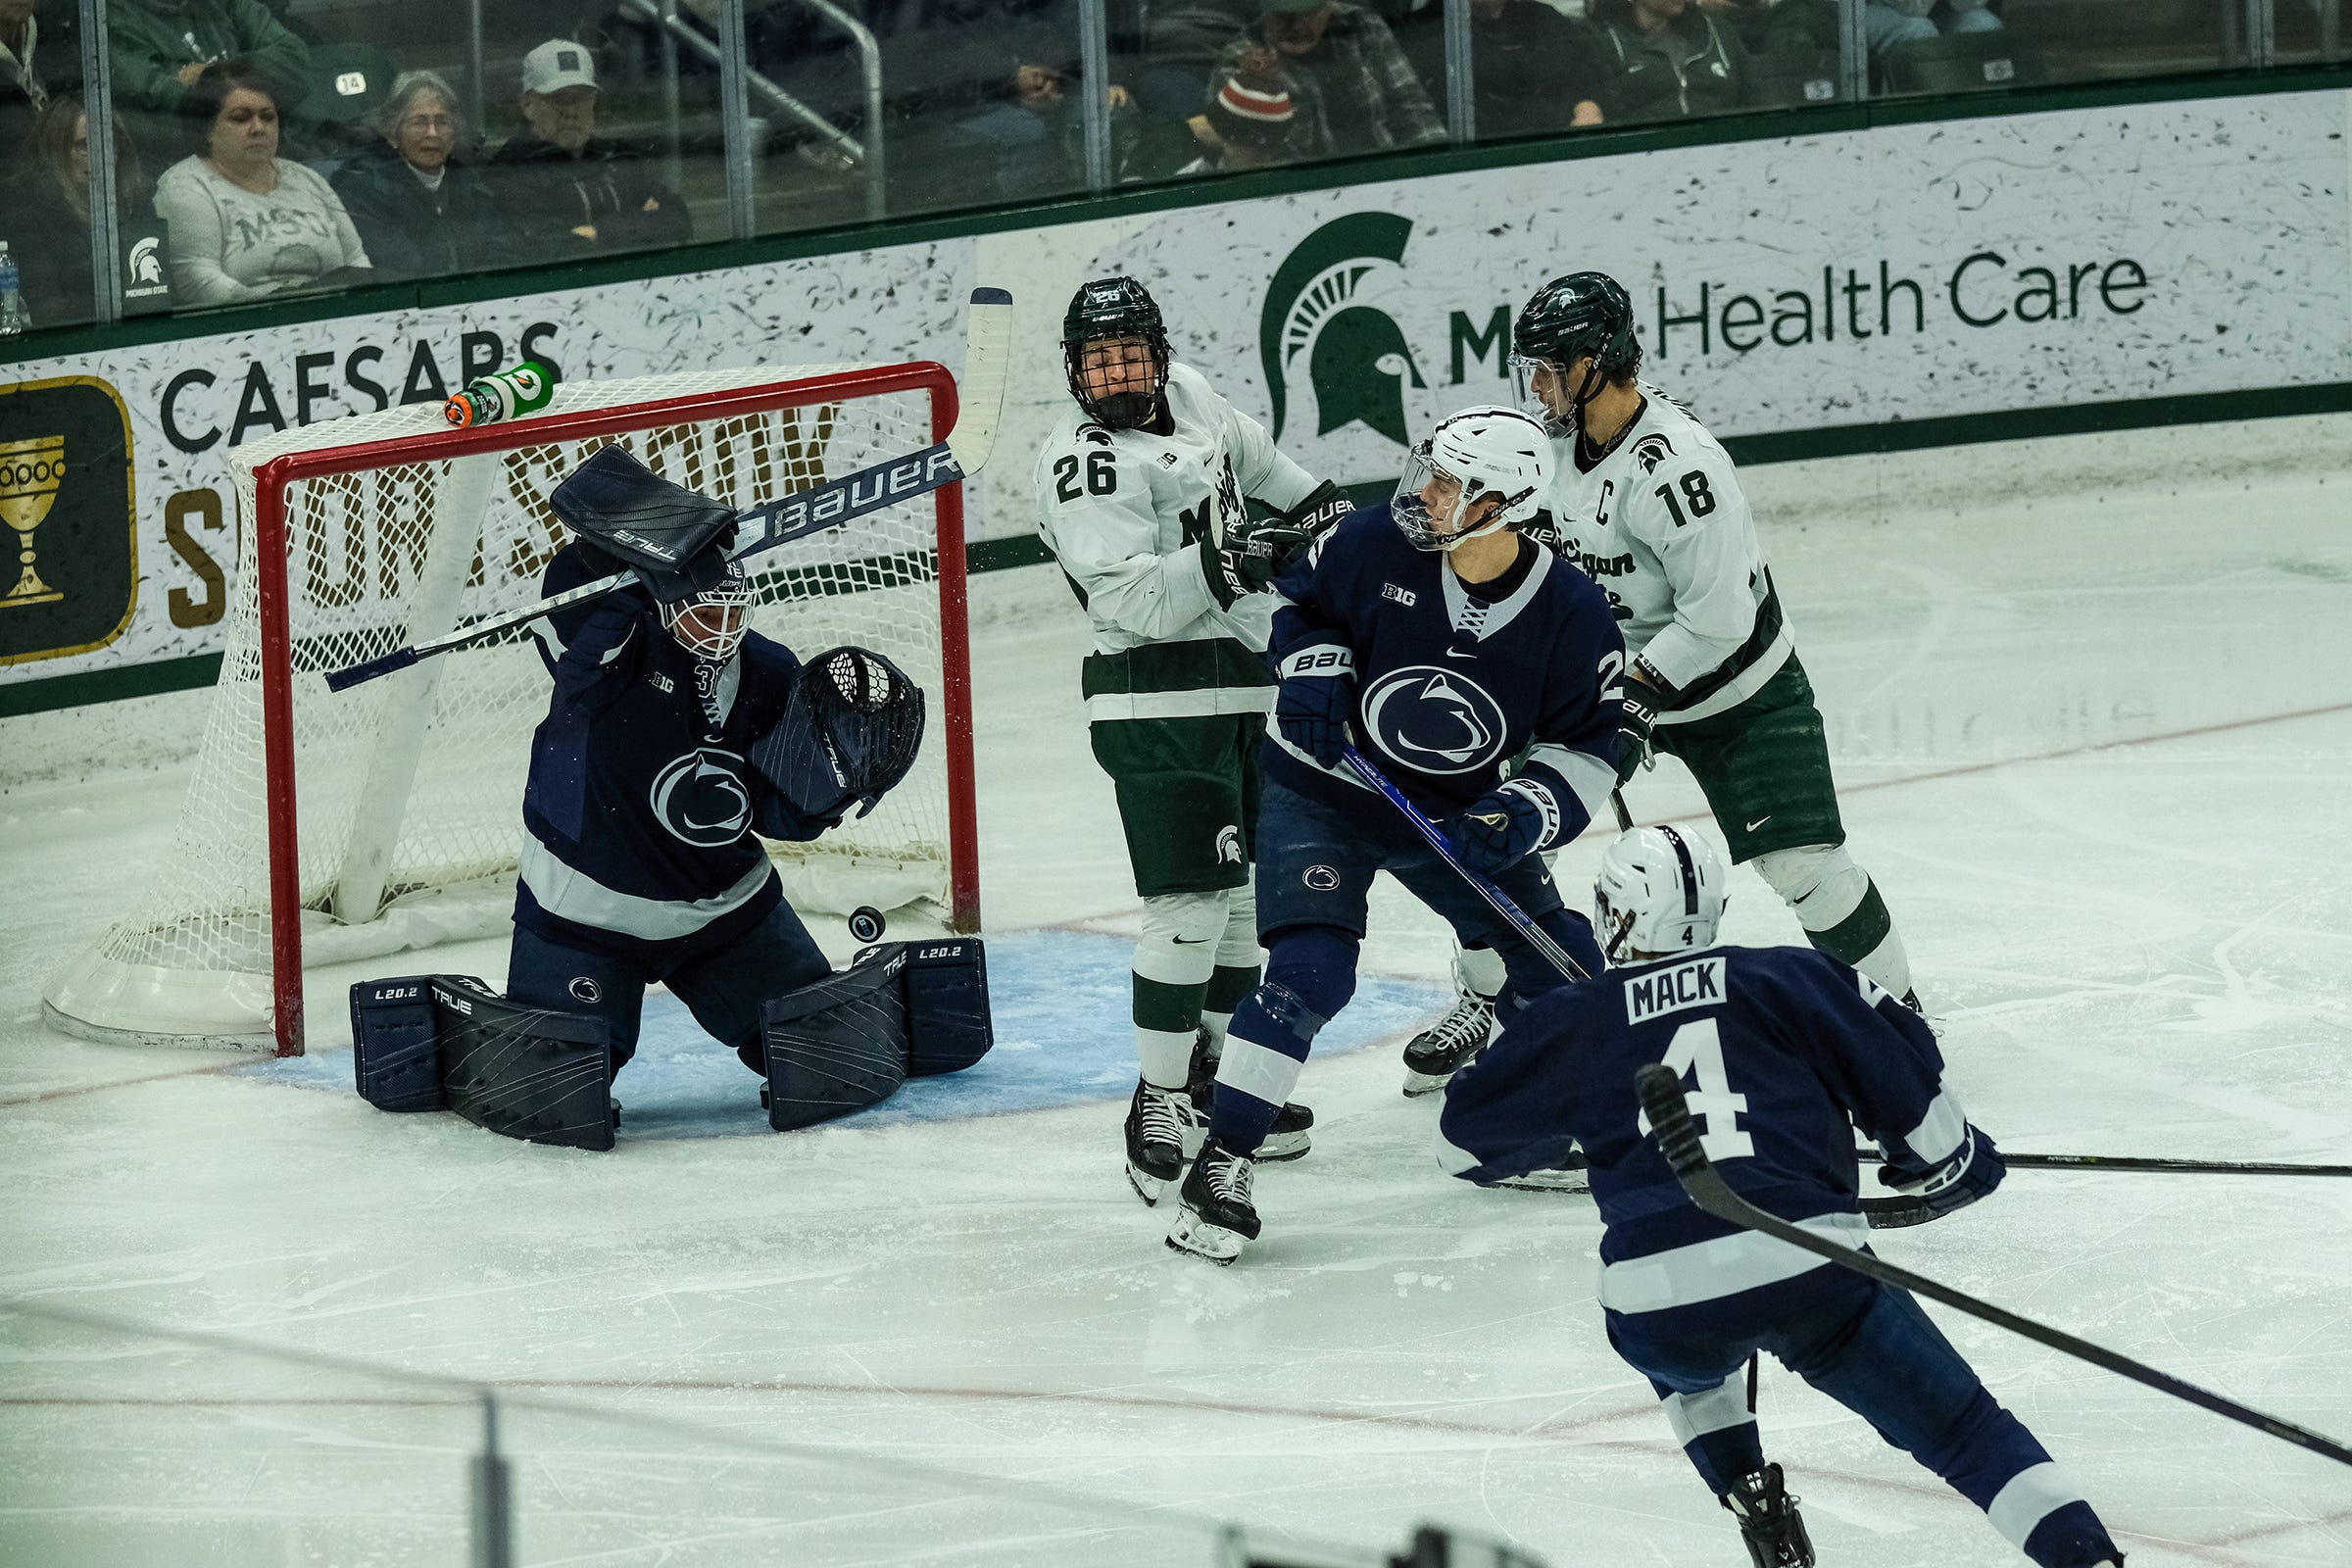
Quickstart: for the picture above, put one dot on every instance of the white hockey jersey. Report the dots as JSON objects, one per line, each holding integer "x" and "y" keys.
{"x": 1662, "y": 525}
{"x": 1123, "y": 512}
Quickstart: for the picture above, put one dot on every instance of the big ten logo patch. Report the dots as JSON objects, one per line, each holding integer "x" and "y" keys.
{"x": 71, "y": 575}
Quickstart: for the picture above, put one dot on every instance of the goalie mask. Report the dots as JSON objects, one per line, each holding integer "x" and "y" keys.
{"x": 1660, "y": 892}
{"x": 1585, "y": 315}
{"x": 1481, "y": 469}
{"x": 849, "y": 734}
{"x": 711, "y": 624}
{"x": 1114, "y": 350}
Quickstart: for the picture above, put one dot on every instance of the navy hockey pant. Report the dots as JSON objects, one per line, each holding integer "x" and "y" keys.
{"x": 724, "y": 986}
{"x": 1870, "y": 1348}
{"x": 1315, "y": 865}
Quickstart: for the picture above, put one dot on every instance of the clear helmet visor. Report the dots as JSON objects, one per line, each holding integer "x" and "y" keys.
{"x": 1436, "y": 510}
{"x": 1537, "y": 385}
{"x": 710, "y": 625}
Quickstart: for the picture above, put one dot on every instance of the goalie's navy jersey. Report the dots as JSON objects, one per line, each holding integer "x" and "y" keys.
{"x": 1452, "y": 681}
{"x": 639, "y": 813}
{"x": 1784, "y": 1051}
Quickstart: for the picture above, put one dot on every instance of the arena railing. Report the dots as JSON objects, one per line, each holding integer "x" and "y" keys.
{"x": 133, "y": 1441}
{"x": 778, "y": 115}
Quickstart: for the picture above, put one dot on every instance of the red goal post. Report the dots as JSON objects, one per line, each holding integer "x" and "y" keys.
{"x": 370, "y": 808}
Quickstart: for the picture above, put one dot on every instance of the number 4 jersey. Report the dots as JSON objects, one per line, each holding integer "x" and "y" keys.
{"x": 1782, "y": 1051}
{"x": 1661, "y": 523}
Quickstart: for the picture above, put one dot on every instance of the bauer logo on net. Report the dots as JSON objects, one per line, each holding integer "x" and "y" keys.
{"x": 1434, "y": 720}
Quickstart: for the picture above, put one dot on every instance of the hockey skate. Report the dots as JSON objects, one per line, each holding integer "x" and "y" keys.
{"x": 1158, "y": 1121}
{"x": 1571, "y": 1175}
{"x": 1775, "y": 1532}
{"x": 1216, "y": 1217}
{"x": 1286, "y": 1140}
{"x": 1446, "y": 1046}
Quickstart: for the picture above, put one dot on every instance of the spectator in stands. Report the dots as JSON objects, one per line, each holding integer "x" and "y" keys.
{"x": 1533, "y": 69}
{"x": 246, "y": 223}
{"x": 564, "y": 187}
{"x": 40, "y": 57}
{"x": 421, "y": 212}
{"x": 1889, "y": 22}
{"x": 157, "y": 48}
{"x": 1784, "y": 27}
{"x": 1351, "y": 86}
{"x": 1183, "y": 42}
{"x": 1249, "y": 123}
{"x": 1668, "y": 58}
{"x": 47, "y": 224}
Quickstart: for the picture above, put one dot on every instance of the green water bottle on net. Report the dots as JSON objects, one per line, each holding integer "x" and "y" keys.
{"x": 501, "y": 395}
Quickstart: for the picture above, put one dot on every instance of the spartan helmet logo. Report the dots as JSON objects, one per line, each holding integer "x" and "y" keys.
{"x": 1324, "y": 324}
{"x": 1653, "y": 450}
{"x": 1229, "y": 845}
{"x": 146, "y": 263}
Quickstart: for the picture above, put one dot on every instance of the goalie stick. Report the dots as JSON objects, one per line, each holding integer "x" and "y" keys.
{"x": 2144, "y": 1162}
{"x": 1660, "y": 1091}
{"x": 1536, "y": 937}
{"x": 981, "y": 404}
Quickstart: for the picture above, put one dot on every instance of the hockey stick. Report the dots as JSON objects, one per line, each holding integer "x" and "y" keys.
{"x": 2142, "y": 1163}
{"x": 1660, "y": 1091}
{"x": 1536, "y": 937}
{"x": 1625, "y": 819}
{"x": 981, "y": 398}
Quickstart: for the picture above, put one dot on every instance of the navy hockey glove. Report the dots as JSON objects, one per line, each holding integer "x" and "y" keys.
{"x": 1256, "y": 551}
{"x": 1929, "y": 1193}
{"x": 1506, "y": 825}
{"x": 1641, "y": 704}
{"x": 1316, "y": 699}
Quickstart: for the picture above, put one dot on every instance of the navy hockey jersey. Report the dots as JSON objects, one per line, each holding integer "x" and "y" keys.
{"x": 1784, "y": 1051}
{"x": 1453, "y": 681}
{"x": 639, "y": 814}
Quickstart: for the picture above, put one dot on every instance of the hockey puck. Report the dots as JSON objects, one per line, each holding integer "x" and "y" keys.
{"x": 866, "y": 923}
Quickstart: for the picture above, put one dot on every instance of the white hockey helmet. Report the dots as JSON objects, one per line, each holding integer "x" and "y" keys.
{"x": 1660, "y": 891}
{"x": 1488, "y": 451}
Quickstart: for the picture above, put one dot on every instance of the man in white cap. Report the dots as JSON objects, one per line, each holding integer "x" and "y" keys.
{"x": 569, "y": 190}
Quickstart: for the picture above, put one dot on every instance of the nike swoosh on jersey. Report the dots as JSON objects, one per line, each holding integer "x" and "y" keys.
{"x": 1759, "y": 821}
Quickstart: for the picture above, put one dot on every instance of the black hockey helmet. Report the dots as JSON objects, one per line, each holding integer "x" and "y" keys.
{"x": 1115, "y": 308}
{"x": 849, "y": 732}
{"x": 1566, "y": 320}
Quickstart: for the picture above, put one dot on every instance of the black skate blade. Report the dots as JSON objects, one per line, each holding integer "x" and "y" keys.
{"x": 1195, "y": 1237}
{"x": 1417, "y": 1084}
{"x": 1279, "y": 1148}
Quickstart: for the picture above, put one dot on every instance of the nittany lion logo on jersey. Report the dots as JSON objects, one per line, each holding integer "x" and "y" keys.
{"x": 1434, "y": 720}
{"x": 701, "y": 799}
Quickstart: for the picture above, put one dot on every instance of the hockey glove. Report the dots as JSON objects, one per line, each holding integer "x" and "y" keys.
{"x": 1931, "y": 1192}
{"x": 1256, "y": 551}
{"x": 1506, "y": 825}
{"x": 1641, "y": 704}
{"x": 1316, "y": 701}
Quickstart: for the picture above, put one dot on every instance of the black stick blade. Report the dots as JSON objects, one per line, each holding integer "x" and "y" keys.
{"x": 338, "y": 680}
{"x": 1660, "y": 1090}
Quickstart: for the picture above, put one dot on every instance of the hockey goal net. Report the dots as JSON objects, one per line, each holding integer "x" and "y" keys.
{"x": 342, "y": 826}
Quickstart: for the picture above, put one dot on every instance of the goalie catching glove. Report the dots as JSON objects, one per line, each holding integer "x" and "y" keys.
{"x": 849, "y": 733}
{"x": 674, "y": 540}
{"x": 1250, "y": 554}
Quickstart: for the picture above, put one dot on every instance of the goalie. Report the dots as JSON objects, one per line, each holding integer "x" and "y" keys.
{"x": 675, "y": 739}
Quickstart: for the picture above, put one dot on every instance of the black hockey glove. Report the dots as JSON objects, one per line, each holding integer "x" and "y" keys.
{"x": 1931, "y": 1192}
{"x": 1258, "y": 549}
{"x": 1316, "y": 701}
{"x": 675, "y": 540}
{"x": 1641, "y": 704}
{"x": 1506, "y": 825}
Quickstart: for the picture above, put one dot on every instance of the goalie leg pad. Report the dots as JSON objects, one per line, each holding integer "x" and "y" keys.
{"x": 948, "y": 1025}
{"x": 395, "y": 1044}
{"x": 839, "y": 1045}
{"x": 534, "y": 1073}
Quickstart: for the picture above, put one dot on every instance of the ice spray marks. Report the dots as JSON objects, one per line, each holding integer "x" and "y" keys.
{"x": 501, "y": 395}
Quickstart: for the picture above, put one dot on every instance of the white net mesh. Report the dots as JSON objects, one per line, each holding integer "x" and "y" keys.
{"x": 409, "y": 789}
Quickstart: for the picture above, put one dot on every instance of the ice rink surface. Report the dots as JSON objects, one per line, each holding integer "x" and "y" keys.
{"x": 2097, "y": 754}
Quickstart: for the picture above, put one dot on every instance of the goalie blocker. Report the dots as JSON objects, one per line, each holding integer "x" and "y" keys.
{"x": 845, "y": 1042}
